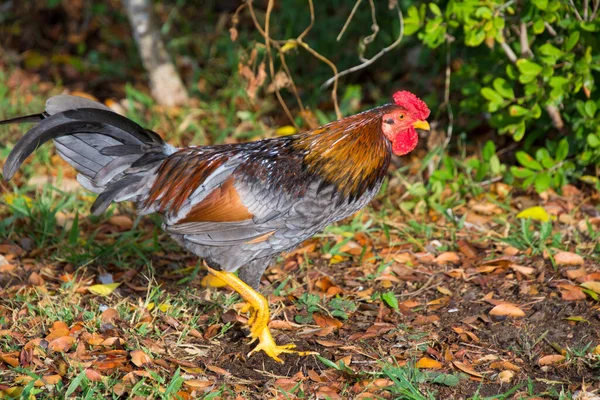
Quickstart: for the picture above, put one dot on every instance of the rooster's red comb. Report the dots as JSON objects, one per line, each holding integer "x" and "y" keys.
{"x": 412, "y": 104}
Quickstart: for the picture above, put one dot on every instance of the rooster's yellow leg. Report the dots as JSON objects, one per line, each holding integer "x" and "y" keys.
{"x": 258, "y": 307}
{"x": 212, "y": 281}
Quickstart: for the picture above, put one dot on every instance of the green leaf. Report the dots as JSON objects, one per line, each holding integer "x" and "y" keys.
{"x": 75, "y": 383}
{"x": 519, "y": 131}
{"x": 74, "y": 232}
{"x": 489, "y": 150}
{"x": 412, "y": 21}
{"x": 538, "y": 26}
{"x": 527, "y": 67}
{"x": 549, "y": 50}
{"x": 521, "y": 173}
{"x": 572, "y": 40}
{"x": 444, "y": 379}
{"x": 495, "y": 165}
{"x": 541, "y": 4}
{"x": 562, "y": 151}
{"x": 504, "y": 88}
{"x": 327, "y": 363}
{"x": 390, "y": 299}
{"x": 474, "y": 37}
{"x": 491, "y": 95}
{"x": 527, "y": 161}
{"x": 435, "y": 9}
{"x": 590, "y": 108}
{"x": 536, "y": 111}
{"x": 517, "y": 111}
{"x": 542, "y": 182}
{"x": 593, "y": 140}
{"x": 483, "y": 13}
{"x": 543, "y": 156}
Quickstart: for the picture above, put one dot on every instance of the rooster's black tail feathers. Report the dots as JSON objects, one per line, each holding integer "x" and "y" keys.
{"x": 110, "y": 152}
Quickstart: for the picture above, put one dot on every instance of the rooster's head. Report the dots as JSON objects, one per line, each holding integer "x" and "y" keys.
{"x": 399, "y": 124}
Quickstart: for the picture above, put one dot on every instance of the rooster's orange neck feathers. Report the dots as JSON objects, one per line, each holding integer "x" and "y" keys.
{"x": 352, "y": 154}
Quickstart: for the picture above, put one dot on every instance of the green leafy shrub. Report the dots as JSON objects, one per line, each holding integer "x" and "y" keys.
{"x": 531, "y": 68}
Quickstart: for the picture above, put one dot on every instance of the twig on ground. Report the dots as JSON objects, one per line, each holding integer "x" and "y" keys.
{"x": 423, "y": 288}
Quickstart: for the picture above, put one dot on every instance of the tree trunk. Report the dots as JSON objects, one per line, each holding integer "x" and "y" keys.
{"x": 165, "y": 83}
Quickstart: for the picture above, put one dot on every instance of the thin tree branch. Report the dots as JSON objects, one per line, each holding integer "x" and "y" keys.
{"x": 270, "y": 57}
{"x": 575, "y": 10}
{"x": 595, "y": 10}
{"x": 508, "y": 50}
{"x": 312, "y": 20}
{"x": 524, "y": 40}
{"x": 552, "y": 111}
{"x": 370, "y": 61}
{"x": 550, "y": 29}
{"x": 347, "y": 23}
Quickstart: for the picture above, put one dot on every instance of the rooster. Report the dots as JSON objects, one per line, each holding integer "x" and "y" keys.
{"x": 237, "y": 206}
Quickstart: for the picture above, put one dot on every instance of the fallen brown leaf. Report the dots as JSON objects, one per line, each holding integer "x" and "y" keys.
{"x": 447, "y": 257}
{"x": 61, "y": 344}
{"x": 568, "y": 258}
{"x": 109, "y": 315}
{"x": 10, "y": 359}
{"x": 505, "y": 365}
{"x": 467, "y": 369}
{"x": 325, "y": 321}
{"x": 217, "y": 370}
{"x": 571, "y": 292}
{"x": 93, "y": 376}
{"x": 551, "y": 359}
{"x": 507, "y": 310}
{"x": 123, "y": 222}
{"x": 198, "y": 384}
{"x": 139, "y": 358}
{"x": 521, "y": 269}
{"x": 574, "y": 274}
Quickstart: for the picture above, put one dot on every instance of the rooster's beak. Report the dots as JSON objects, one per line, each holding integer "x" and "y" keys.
{"x": 422, "y": 125}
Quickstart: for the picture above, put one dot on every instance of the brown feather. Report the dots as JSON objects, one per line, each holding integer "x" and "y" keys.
{"x": 179, "y": 176}
{"x": 352, "y": 153}
{"x": 222, "y": 205}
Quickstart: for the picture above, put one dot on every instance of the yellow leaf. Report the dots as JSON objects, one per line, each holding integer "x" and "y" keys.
{"x": 285, "y": 130}
{"x": 164, "y": 307}
{"x": 11, "y": 198}
{"x": 593, "y": 286}
{"x": 428, "y": 363}
{"x": 336, "y": 259}
{"x": 288, "y": 46}
{"x": 104, "y": 289}
{"x": 444, "y": 290}
{"x": 538, "y": 213}
{"x": 506, "y": 376}
{"x": 577, "y": 319}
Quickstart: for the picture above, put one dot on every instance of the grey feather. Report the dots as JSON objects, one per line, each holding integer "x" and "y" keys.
{"x": 114, "y": 168}
{"x": 64, "y": 102}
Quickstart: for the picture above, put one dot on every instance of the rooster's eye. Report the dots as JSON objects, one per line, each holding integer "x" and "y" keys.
{"x": 401, "y": 116}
